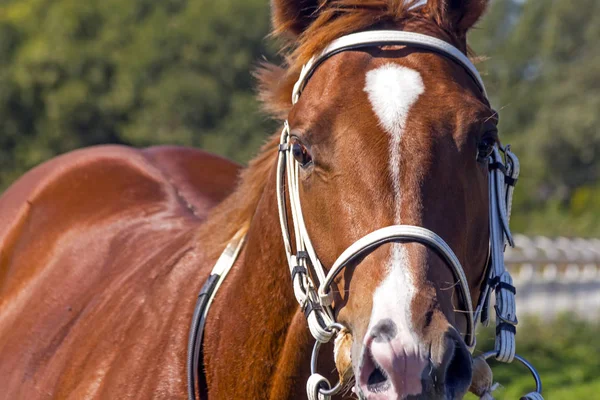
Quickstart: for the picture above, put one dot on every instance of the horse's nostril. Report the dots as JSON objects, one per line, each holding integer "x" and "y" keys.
{"x": 377, "y": 381}
{"x": 384, "y": 331}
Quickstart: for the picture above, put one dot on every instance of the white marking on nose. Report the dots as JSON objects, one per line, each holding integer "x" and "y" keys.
{"x": 393, "y": 90}
{"x": 401, "y": 357}
{"x": 393, "y": 297}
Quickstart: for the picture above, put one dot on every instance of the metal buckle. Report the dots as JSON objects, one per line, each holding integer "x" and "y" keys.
{"x": 499, "y": 315}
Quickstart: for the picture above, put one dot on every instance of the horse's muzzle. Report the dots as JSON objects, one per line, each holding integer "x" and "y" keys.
{"x": 394, "y": 366}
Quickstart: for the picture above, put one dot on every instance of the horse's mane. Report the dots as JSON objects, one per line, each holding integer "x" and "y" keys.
{"x": 335, "y": 18}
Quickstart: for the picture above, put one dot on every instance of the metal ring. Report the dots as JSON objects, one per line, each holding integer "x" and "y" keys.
{"x": 530, "y": 367}
{"x": 315, "y": 384}
{"x": 336, "y": 326}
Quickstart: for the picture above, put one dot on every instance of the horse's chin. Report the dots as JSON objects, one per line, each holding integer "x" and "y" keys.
{"x": 482, "y": 384}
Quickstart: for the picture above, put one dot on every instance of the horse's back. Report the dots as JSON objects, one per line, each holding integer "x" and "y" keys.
{"x": 94, "y": 247}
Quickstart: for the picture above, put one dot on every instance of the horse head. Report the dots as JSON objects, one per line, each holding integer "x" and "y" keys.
{"x": 389, "y": 135}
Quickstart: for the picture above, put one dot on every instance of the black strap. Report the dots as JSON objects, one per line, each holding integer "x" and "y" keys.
{"x": 507, "y": 286}
{"x": 310, "y": 306}
{"x": 209, "y": 286}
{"x": 195, "y": 368}
{"x": 498, "y": 285}
{"x": 485, "y": 312}
{"x": 302, "y": 255}
{"x": 498, "y": 165}
{"x": 503, "y": 326}
{"x": 510, "y": 181}
{"x": 298, "y": 269}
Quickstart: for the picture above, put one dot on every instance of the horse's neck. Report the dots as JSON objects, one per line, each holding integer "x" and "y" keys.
{"x": 258, "y": 346}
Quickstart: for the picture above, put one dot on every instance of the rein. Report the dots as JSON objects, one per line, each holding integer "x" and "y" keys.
{"x": 315, "y": 298}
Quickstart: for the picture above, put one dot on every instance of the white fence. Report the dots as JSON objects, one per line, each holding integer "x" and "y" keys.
{"x": 556, "y": 275}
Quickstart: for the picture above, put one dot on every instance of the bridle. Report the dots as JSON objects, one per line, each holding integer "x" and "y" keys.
{"x": 315, "y": 298}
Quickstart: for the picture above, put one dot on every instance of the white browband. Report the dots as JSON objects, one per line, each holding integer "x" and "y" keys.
{"x": 381, "y": 38}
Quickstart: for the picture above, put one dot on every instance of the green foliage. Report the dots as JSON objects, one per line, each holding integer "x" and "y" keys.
{"x": 544, "y": 75}
{"x": 78, "y": 73}
{"x": 141, "y": 72}
{"x": 565, "y": 353}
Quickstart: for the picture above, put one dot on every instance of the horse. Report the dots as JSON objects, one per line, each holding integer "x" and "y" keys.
{"x": 103, "y": 251}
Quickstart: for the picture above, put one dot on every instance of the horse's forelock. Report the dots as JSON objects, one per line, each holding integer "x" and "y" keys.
{"x": 333, "y": 19}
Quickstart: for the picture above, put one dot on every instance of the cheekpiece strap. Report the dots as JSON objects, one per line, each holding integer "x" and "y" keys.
{"x": 500, "y": 282}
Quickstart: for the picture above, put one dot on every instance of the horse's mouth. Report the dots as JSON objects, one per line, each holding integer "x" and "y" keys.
{"x": 373, "y": 380}
{"x": 378, "y": 382}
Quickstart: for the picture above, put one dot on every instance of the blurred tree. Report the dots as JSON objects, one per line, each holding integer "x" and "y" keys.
{"x": 140, "y": 72}
{"x": 560, "y": 348}
{"x": 137, "y": 72}
{"x": 544, "y": 74}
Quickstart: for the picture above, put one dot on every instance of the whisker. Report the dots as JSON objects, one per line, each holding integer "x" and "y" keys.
{"x": 452, "y": 286}
{"x": 504, "y": 106}
{"x": 494, "y": 115}
{"x": 347, "y": 387}
{"x": 460, "y": 311}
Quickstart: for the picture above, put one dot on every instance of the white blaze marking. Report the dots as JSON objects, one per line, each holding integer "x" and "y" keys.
{"x": 393, "y": 297}
{"x": 392, "y": 90}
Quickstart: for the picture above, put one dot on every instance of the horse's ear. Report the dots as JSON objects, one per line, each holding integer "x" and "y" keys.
{"x": 293, "y": 16}
{"x": 457, "y": 16}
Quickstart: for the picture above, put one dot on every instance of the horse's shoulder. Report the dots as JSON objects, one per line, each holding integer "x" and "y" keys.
{"x": 104, "y": 180}
{"x": 97, "y": 194}
{"x": 86, "y": 240}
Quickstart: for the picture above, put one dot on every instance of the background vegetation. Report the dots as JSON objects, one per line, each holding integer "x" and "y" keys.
{"x": 565, "y": 353}
{"x": 76, "y": 73}
{"x": 544, "y": 76}
{"x": 139, "y": 72}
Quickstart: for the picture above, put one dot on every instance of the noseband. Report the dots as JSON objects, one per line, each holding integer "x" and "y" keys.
{"x": 315, "y": 298}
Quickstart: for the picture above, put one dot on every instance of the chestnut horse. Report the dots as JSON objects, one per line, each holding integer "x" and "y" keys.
{"x": 103, "y": 251}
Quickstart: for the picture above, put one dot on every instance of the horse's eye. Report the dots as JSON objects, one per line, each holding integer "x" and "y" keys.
{"x": 301, "y": 153}
{"x": 485, "y": 149}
